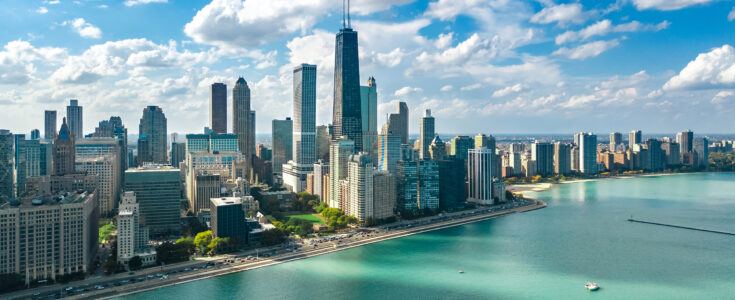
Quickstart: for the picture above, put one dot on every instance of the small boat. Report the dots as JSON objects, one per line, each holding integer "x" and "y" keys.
{"x": 592, "y": 286}
{"x": 461, "y": 271}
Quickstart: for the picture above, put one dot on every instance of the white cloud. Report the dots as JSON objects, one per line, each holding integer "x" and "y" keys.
{"x": 508, "y": 90}
{"x": 84, "y": 28}
{"x": 722, "y": 97}
{"x": 666, "y": 4}
{"x": 470, "y": 87}
{"x": 42, "y": 10}
{"x": 18, "y": 61}
{"x": 391, "y": 59}
{"x": 52, "y": 2}
{"x": 712, "y": 69}
{"x": 114, "y": 57}
{"x": 562, "y": 14}
{"x": 444, "y": 40}
{"x": 587, "y": 50}
{"x": 407, "y": 90}
{"x": 366, "y": 7}
{"x": 143, "y": 2}
{"x": 615, "y": 91}
{"x": 605, "y": 27}
{"x": 472, "y": 47}
{"x": 252, "y": 23}
{"x": 731, "y": 15}
{"x": 447, "y": 88}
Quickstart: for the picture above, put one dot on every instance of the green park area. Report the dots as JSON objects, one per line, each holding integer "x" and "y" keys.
{"x": 313, "y": 218}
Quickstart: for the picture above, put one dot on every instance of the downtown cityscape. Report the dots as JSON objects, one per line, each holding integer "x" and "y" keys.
{"x": 332, "y": 182}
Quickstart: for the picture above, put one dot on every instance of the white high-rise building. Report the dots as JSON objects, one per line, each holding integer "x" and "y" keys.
{"x": 132, "y": 238}
{"x": 480, "y": 176}
{"x": 339, "y": 154}
{"x": 304, "y": 129}
{"x": 361, "y": 199}
{"x": 304, "y": 114}
{"x": 101, "y": 157}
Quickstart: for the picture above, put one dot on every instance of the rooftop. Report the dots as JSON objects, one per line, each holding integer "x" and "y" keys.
{"x": 56, "y": 199}
{"x": 227, "y": 201}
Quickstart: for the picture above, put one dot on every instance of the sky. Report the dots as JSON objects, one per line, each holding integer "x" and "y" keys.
{"x": 491, "y": 66}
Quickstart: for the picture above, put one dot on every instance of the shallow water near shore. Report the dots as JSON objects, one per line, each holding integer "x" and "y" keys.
{"x": 583, "y": 235}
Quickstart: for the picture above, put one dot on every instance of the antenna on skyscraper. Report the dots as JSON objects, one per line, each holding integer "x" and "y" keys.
{"x": 344, "y": 25}
{"x": 349, "y": 25}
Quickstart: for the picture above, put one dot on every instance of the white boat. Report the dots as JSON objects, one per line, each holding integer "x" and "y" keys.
{"x": 461, "y": 271}
{"x": 592, "y": 286}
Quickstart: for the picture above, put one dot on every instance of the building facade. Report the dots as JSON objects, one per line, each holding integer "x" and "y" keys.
{"x": 218, "y": 107}
{"x": 347, "y": 107}
{"x": 75, "y": 117}
{"x": 152, "y": 142}
{"x": 158, "y": 192}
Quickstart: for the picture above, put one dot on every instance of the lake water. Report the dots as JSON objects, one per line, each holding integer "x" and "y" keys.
{"x": 550, "y": 253}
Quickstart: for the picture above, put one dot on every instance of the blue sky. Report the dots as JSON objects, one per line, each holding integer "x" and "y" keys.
{"x": 492, "y": 66}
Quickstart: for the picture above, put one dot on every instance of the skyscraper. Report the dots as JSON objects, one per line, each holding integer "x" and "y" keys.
{"x": 158, "y": 191}
{"x": 398, "y": 122}
{"x": 304, "y": 114}
{"x": 616, "y": 138}
{"x": 49, "y": 124}
{"x": 634, "y": 137}
{"x": 389, "y": 151}
{"x": 153, "y": 131}
{"x": 100, "y": 157}
{"x": 132, "y": 238}
{"x": 64, "y": 151}
{"x": 588, "y": 153}
{"x": 562, "y": 158}
{"x": 282, "y": 144}
{"x": 339, "y": 154}
{"x": 178, "y": 153}
{"x": 75, "y": 118}
{"x": 218, "y": 108}
{"x": 322, "y": 142}
{"x": 369, "y": 110}
{"x": 241, "y": 124}
{"x": 35, "y": 134}
{"x": 459, "y": 146}
{"x": 426, "y": 134}
{"x": 480, "y": 176}
{"x": 7, "y": 165}
{"x": 347, "y": 112}
{"x": 360, "y": 177}
{"x": 686, "y": 141}
{"x": 543, "y": 154}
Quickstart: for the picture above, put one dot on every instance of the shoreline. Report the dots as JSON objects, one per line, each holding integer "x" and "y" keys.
{"x": 151, "y": 285}
{"x": 522, "y": 188}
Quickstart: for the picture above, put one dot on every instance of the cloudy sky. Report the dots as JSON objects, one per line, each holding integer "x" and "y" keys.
{"x": 493, "y": 66}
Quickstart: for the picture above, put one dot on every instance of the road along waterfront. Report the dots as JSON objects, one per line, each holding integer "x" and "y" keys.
{"x": 219, "y": 266}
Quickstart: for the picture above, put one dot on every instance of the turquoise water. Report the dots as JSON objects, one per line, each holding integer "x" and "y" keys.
{"x": 550, "y": 253}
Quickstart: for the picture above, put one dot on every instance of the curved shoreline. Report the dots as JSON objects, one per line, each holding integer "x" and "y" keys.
{"x": 151, "y": 285}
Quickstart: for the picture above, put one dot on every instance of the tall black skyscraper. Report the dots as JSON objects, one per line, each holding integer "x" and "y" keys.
{"x": 346, "y": 114}
{"x": 218, "y": 108}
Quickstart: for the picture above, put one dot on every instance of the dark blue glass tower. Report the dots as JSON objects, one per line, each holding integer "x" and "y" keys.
{"x": 346, "y": 114}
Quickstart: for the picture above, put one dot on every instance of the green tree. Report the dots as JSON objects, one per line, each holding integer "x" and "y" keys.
{"x": 135, "y": 263}
{"x": 187, "y": 243}
{"x": 105, "y": 232}
{"x": 202, "y": 240}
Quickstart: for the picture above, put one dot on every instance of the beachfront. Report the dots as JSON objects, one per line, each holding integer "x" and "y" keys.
{"x": 215, "y": 266}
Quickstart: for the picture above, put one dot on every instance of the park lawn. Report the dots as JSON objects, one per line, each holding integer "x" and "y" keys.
{"x": 313, "y": 218}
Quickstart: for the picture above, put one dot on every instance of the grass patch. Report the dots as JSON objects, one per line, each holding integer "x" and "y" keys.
{"x": 313, "y": 218}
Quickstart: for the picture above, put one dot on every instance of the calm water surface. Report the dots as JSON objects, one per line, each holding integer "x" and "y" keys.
{"x": 550, "y": 253}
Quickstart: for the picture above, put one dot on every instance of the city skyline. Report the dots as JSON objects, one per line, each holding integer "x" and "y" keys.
{"x": 432, "y": 54}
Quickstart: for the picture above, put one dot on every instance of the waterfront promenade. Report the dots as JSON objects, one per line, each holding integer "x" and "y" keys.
{"x": 226, "y": 264}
